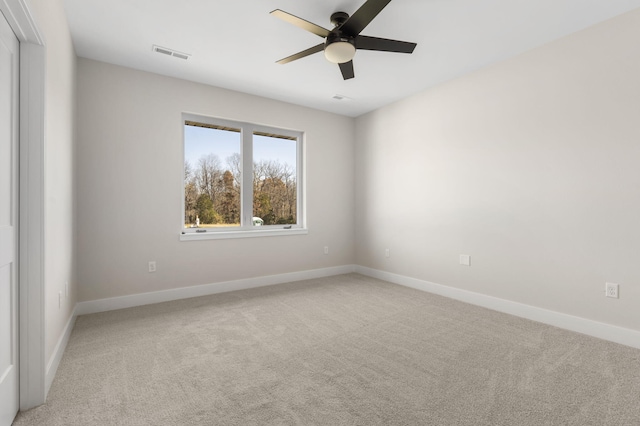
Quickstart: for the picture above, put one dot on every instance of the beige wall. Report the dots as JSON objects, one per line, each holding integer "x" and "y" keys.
{"x": 530, "y": 166}
{"x": 60, "y": 95}
{"x": 130, "y": 178}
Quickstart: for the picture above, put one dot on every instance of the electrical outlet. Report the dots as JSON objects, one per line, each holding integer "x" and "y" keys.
{"x": 611, "y": 290}
{"x": 465, "y": 260}
{"x": 326, "y": 249}
{"x": 387, "y": 253}
{"x": 152, "y": 266}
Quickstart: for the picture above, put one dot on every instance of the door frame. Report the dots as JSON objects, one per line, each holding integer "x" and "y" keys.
{"x": 31, "y": 203}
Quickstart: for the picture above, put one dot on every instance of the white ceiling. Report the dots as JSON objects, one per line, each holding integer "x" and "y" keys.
{"x": 234, "y": 43}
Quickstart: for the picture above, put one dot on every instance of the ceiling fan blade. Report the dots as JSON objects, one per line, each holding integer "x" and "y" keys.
{"x": 347, "y": 70}
{"x": 383, "y": 44}
{"x": 299, "y": 22}
{"x": 299, "y": 55}
{"x": 363, "y": 16}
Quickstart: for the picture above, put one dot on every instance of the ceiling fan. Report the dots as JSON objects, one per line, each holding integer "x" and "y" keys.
{"x": 342, "y": 41}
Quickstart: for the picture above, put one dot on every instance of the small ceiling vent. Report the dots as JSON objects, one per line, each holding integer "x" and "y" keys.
{"x": 341, "y": 97}
{"x": 170, "y": 52}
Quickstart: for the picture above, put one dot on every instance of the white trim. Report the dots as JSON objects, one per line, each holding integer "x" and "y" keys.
{"x": 220, "y": 235}
{"x": 58, "y": 351}
{"x": 31, "y": 230}
{"x": 122, "y": 302}
{"x": 624, "y": 336}
{"x": 32, "y": 330}
{"x": 21, "y": 21}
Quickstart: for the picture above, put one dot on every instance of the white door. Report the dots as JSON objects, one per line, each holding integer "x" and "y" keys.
{"x": 8, "y": 223}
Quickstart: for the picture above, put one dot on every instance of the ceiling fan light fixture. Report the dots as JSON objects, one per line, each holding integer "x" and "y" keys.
{"x": 339, "y": 52}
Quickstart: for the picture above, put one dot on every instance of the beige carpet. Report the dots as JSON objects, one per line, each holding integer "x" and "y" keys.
{"x": 346, "y": 350}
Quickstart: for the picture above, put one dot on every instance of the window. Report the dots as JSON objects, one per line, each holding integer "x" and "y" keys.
{"x": 240, "y": 179}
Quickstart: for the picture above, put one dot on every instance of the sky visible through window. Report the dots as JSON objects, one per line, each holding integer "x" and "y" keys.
{"x": 202, "y": 141}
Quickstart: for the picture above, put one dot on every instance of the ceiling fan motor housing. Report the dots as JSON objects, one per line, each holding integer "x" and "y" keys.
{"x": 338, "y": 36}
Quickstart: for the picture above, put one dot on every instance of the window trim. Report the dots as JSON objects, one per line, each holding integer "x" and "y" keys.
{"x": 246, "y": 228}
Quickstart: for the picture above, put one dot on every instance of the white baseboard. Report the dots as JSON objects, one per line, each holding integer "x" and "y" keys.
{"x": 122, "y": 302}
{"x": 56, "y": 357}
{"x": 624, "y": 336}
{"x": 600, "y": 330}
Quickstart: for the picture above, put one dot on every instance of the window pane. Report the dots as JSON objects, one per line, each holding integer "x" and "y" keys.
{"x": 212, "y": 175}
{"x": 274, "y": 180}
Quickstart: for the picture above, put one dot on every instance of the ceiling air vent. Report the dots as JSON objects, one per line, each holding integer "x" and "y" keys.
{"x": 341, "y": 97}
{"x": 170, "y": 52}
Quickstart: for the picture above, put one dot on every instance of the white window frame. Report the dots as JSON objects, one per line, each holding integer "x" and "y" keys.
{"x": 246, "y": 228}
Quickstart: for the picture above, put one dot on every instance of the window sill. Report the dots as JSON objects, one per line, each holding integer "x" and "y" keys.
{"x": 223, "y": 235}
